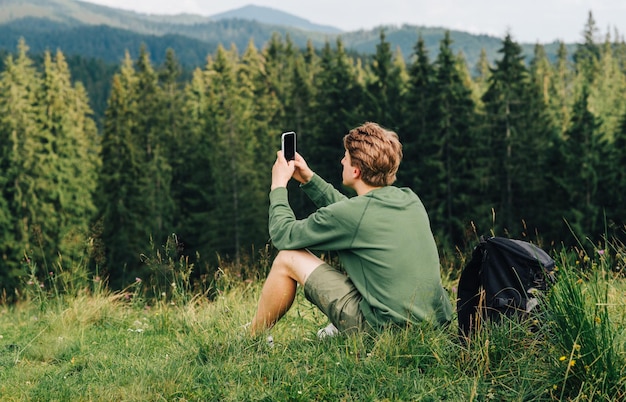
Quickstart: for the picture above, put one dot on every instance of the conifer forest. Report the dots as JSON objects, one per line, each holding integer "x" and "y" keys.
{"x": 523, "y": 146}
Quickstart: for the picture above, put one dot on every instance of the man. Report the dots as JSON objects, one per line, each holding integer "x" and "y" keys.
{"x": 382, "y": 237}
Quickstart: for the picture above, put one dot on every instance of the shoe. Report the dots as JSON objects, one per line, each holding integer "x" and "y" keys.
{"x": 327, "y": 332}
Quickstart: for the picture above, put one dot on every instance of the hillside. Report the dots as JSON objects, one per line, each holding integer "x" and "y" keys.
{"x": 91, "y": 30}
{"x": 267, "y": 15}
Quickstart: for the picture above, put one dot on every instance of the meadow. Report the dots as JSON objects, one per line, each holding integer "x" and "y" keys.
{"x": 71, "y": 338}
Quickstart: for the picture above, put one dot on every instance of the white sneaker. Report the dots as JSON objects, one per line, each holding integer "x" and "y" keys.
{"x": 329, "y": 331}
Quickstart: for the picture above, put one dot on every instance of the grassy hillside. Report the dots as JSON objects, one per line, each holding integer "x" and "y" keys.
{"x": 71, "y": 339}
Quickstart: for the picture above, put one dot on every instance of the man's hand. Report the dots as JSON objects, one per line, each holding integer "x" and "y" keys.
{"x": 282, "y": 171}
{"x": 302, "y": 173}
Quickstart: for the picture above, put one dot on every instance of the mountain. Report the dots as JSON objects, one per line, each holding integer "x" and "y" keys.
{"x": 79, "y": 27}
{"x": 271, "y": 16}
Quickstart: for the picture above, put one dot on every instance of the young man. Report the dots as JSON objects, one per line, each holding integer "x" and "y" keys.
{"x": 382, "y": 236}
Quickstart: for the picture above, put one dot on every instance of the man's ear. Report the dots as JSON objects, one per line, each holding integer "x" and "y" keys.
{"x": 356, "y": 172}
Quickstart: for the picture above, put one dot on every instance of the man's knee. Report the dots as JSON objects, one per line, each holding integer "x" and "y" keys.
{"x": 297, "y": 264}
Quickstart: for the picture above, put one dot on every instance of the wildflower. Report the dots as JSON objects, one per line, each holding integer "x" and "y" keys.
{"x": 562, "y": 358}
{"x": 96, "y": 279}
{"x": 576, "y": 347}
{"x": 138, "y": 280}
{"x": 572, "y": 363}
{"x": 597, "y": 320}
{"x": 601, "y": 252}
{"x": 586, "y": 259}
{"x": 51, "y": 273}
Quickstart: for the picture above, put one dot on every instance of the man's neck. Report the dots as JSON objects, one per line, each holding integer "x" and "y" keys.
{"x": 361, "y": 188}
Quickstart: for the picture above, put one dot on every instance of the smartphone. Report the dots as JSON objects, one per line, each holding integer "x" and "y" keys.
{"x": 288, "y": 145}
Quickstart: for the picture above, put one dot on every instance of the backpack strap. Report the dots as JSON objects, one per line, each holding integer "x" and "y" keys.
{"x": 468, "y": 290}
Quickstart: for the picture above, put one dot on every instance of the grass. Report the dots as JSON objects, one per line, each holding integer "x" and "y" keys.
{"x": 85, "y": 343}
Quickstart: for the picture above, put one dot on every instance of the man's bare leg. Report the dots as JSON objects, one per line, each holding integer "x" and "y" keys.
{"x": 289, "y": 268}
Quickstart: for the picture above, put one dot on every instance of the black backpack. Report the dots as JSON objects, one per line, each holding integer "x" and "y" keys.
{"x": 503, "y": 277}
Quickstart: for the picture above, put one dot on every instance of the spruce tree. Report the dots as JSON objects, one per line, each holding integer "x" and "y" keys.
{"x": 561, "y": 101}
{"x": 338, "y": 109}
{"x": 385, "y": 87}
{"x": 120, "y": 198}
{"x": 450, "y": 183}
{"x": 73, "y": 168}
{"x": 193, "y": 172}
{"x": 615, "y": 191}
{"x": 20, "y": 127}
{"x": 416, "y": 132}
{"x": 237, "y": 191}
{"x": 585, "y": 153}
{"x": 518, "y": 134}
{"x": 153, "y": 138}
{"x": 606, "y": 95}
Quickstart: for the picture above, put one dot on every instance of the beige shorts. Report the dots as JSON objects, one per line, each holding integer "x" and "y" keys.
{"x": 334, "y": 293}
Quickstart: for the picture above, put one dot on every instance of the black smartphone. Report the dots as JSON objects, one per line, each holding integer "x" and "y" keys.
{"x": 288, "y": 145}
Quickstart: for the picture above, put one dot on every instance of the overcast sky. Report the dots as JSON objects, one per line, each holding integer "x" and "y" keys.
{"x": 527, "y": 20}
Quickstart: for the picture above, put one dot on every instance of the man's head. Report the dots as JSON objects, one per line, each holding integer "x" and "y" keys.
{"x": 376, "y": 152}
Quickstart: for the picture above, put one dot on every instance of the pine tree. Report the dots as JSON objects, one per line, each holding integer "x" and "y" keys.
{"x": 338, "y": 103}
{"x": 520, "y": 134}
{"x": 588, "y": 53}
{"x": 615, "y": 191}
{"x": 449, "y": 191}
{"x": 19, "y": 152}
{"x": 416, "y": 132}
{"x": 606, "y": 93}
{"x": 233, "y": 164}
{"x": 385, "y": 87}
{"x": 481, "y": 81}
{"x": 584, "y": 154}
{"x": 561, "y": 101}
{"x": 193, "y": 172}
{"x": 121, "y": 203}
{"x": 73, "y": 167}
{"x": 153, "y": 141}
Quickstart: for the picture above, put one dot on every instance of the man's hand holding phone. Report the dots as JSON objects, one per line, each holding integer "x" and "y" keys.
{"x": 282, "y": 171}
{"x": 289, "y": 163}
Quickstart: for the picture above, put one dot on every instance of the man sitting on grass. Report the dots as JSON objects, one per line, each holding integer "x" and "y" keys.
{"x": 390, "y": 264}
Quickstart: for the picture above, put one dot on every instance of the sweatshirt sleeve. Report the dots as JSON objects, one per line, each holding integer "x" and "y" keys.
{"x": 321, "y": 230}
{"x": 321, "y": 193}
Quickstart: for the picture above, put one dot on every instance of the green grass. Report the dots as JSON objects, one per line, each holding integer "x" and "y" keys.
{"x": 88, "y": 344}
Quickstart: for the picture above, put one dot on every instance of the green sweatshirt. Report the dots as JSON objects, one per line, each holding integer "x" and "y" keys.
{"x": 384, "y": 243}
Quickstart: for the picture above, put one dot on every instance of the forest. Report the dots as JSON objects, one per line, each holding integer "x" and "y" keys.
{"x": 531, "y": 150}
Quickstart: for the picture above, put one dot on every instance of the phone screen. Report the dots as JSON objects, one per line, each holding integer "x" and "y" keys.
{"x": 288, "y": 141}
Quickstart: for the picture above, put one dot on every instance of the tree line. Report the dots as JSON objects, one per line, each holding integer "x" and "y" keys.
{"x": 524, "y": 150}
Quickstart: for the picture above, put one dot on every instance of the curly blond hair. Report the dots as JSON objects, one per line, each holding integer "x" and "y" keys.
{"x": 376, "y": 151}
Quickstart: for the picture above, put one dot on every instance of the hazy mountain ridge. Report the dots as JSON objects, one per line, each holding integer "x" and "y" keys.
{"x": 74, "y": 24}
{"x": 272, "y": 16}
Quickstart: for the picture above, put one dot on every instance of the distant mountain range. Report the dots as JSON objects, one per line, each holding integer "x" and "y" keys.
{"x": 90, "y": 30}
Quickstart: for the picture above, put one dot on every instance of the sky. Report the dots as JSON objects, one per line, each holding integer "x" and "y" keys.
{"x": 528, "y": 21}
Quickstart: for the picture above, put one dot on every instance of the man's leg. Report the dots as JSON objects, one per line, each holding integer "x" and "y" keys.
{"x": 288, "y": 269}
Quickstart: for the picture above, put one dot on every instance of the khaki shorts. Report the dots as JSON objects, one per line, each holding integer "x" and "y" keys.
{"x": 334, "y": 293}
